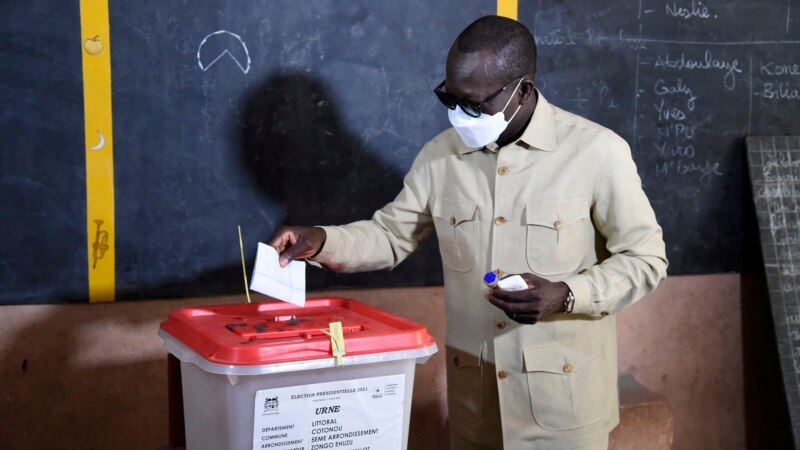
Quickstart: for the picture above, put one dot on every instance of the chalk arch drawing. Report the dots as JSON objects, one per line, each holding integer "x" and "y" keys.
{"x": 101, "y": 143}
{"x": 205, "y": 61}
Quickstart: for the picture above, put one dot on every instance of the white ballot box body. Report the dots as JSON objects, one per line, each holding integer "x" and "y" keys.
{"x": 262, "y": 376}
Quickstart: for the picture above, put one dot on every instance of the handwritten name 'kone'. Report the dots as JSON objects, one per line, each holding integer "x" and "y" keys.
{"x": 772, "y": 69}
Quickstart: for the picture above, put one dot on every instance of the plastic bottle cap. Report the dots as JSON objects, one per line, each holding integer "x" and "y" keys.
{"x": 490, "y": 278}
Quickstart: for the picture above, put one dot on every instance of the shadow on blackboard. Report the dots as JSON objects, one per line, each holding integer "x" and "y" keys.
{"x": 301, "y": 156}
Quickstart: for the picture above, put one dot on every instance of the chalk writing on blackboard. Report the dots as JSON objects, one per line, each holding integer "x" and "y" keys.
{"x": 100, "y": 143}
{"x": 775, "y": 173}
{"x": 216, "y": 45}
{"x": 100, "y": 245}
{"x": 695, "y": 10}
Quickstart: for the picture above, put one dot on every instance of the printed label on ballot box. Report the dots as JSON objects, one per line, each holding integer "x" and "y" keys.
{"x": 353, "y": 414}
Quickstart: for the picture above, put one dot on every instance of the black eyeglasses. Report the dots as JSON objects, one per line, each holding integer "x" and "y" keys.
{"x": 471, "y": 108}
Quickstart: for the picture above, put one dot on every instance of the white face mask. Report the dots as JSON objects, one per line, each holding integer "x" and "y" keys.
{"x": 477, "y": 132}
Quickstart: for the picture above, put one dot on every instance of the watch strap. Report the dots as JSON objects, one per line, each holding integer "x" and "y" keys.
{"x": 569, "y": 301}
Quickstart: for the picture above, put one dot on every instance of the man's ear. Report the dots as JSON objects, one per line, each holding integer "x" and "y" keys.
{"x": 526, "y": 88}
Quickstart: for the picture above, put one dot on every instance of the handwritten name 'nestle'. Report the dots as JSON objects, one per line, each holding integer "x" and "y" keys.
{"x": 695, "y": 10}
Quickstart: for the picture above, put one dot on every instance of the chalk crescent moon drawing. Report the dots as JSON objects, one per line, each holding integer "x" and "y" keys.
{"x": 100, "y": 144}
{"x": 205, "y": 65}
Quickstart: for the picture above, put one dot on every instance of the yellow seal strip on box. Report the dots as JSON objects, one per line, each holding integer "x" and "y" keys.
{"x": 99, "y": 145}
{"x": 337, "y": 340}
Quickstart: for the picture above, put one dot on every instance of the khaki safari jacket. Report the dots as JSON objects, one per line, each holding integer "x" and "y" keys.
{"x": 564, "y": 202}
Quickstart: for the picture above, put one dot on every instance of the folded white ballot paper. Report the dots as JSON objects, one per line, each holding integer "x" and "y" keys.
{"x": 287, "y": 283}
{"x": 512, "y": 283}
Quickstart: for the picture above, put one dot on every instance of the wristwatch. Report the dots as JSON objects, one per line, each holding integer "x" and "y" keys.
{"x": 569, "y": 302}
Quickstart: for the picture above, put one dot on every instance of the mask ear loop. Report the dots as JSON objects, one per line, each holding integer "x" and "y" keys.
{"x": 509, "y": 101}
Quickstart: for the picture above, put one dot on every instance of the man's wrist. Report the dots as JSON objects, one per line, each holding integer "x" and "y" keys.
{"x": 322, "y": 244}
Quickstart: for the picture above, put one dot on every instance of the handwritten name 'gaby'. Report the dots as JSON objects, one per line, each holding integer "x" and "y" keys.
{"x": 664, "y": 88}
{"x": 708, "y": 62}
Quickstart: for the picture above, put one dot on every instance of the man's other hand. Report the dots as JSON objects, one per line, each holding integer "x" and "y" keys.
{"x": 542, "y": 299}
{"x": 297, "y": 243}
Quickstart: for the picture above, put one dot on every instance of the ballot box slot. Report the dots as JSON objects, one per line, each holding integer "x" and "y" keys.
{"x": 281, "y": 327}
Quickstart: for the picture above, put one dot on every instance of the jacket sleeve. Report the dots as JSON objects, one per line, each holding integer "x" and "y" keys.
{"x": 623, "y": 215}
{"x": 393, "y": 233}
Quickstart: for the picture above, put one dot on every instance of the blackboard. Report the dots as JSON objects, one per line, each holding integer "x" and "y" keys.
{"x": 317, "y": 109}
{"x": 774, "y": 163}
{"x": 684, "y": 82}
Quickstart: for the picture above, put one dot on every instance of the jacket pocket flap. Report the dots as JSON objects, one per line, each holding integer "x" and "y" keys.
{"x": 554, "y": 358}
{"x": 454, "y": 211}
{"x": 556, "y": 214}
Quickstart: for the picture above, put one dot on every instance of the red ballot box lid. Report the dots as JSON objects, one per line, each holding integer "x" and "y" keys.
{"x": 278, "y": 332}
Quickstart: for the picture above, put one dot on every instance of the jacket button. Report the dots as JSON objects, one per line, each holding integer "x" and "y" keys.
{"x": 503, "y": 170}
{"x": 502, "y": 374}
{"x": 500, "y": 324}
{"x": 452, "y": 220}
{"x": 567, "y": 368}
{"x": 557, "y": 224}
{"x": 500, "y": 221}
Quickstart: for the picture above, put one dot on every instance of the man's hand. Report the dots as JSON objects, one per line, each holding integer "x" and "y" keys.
{"x": 542, "y": 299}
{"x": 297, "y": 243}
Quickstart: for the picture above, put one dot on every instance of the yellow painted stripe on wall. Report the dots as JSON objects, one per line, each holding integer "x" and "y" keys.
{"x": 507, "y": 8}
{"x": 99, "y": 146}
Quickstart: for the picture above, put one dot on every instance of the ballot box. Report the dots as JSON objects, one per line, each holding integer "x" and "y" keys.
{"x": 335, "y": 374}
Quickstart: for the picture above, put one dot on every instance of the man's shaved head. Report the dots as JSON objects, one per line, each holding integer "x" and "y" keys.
{"x": 510, "y": 42}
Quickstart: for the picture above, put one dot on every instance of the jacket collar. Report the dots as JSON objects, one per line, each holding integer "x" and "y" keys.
{"x": 540, "y": 134}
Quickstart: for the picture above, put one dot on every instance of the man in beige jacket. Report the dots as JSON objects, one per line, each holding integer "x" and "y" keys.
{"x": 517, "y": 186}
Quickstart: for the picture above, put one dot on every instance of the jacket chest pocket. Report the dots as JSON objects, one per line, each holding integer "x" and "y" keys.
{"x": 565, "y": 386}
{"x": 556, "y": 235}
{"x": 456, "y": 224}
